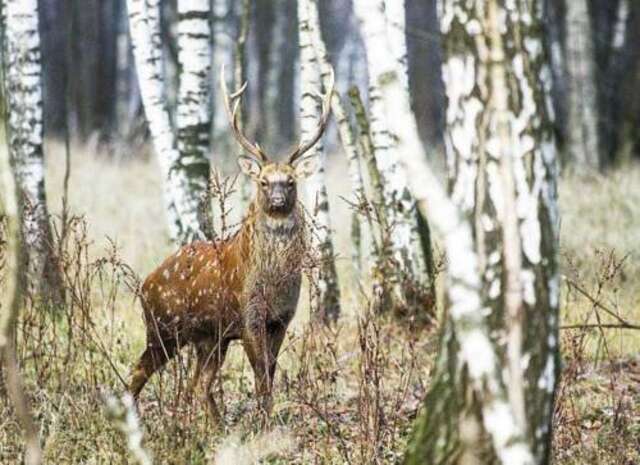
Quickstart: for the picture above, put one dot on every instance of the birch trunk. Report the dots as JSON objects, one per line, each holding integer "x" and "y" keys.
{"x": 375, "y": 179}
{"x": 502, "y": 159}
{"x": 476, "y": 351}
{"x": 395, "y": 12}
{"x": 584, "y": 148}
{"x": 23, "y": 92}
{"x": 193, "y": 115}
{"x": 411, "y": 290}
{"x": 181, "y": 174}
{"x": 399, "y": 204}
{"x": 11, "y": 301}
{"x": 344, "y": 130}
{"x": 325, "y": 293}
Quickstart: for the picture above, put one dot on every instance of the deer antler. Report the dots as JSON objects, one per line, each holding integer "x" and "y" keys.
{"x": 322, "y": 125}
{"x": 232, "y": 114}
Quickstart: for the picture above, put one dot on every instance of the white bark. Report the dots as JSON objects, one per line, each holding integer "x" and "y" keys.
{"x": 23, "y": 90}
{"x": 395, "y": 11}
{"x": 503, "y": 145}
{"x": 345, "y": 131}
{"x": 10, "y": 304}
{"x": 583, "y": 111}
{"x": 193, "y": 116}
{"x": 493, "y": 138}
{"x": 400, "y": 206}
{"x": 464, "y": 287}
{"x": 326, "y": 302}
{"x": 181, "y": 201}
{"x": 22, "y": 95}
{"x": 395, "y": 15}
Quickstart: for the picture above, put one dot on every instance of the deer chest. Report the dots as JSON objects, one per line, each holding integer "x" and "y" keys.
{"x": 272, "y": 287}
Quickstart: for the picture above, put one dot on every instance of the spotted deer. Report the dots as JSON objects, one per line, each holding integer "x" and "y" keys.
{"x": 246, "y": 287}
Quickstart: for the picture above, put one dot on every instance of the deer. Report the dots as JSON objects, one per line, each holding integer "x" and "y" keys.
{"x": 244, "y": 287}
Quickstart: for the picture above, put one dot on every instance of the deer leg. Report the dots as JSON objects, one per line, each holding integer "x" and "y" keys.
{"x": 152, "y": 359}
{"x": 202, "y": 351}
{"x": 262, "y": 350}
{"x": 275, "y": 338}
{"x": 213, "y": 358}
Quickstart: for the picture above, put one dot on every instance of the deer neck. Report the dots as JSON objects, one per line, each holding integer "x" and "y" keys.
{"x": 276, "y": 226}
{"x": 264, "y": 231}
{"x": 271, "y": 233}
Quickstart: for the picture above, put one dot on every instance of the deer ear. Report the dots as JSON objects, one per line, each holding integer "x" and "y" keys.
{"x": 249, "y": 166}
{"x": 306, "y": 167}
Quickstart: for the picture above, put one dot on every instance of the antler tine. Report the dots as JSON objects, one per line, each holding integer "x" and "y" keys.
{"x": 232, "y": 115}
{"x": 322, "y": 125}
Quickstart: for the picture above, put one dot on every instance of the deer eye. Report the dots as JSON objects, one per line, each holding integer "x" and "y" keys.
{"x": 264, "y": 183}
{"x": 290, "y": 181}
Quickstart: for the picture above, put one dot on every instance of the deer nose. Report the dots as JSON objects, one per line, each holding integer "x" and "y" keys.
{"x": 278, "y": 200}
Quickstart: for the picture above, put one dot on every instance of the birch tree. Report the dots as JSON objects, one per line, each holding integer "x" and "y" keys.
{"x": 502, "y": 164}
{"x": 184, "y": 172}
{"x": 326, "y": 293}
{"x": 584, "y": 148}
{"x": 421, "y": 254}
{"x": 11, "y": 262}
{"x": 23, "y": 92}
{"x": 193, "y": 115}
{"x": 399, "y": 205}
{"x": 345, "y": 131}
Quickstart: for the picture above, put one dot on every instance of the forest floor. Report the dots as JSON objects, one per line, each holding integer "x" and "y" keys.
{"x": 345, "y": 395}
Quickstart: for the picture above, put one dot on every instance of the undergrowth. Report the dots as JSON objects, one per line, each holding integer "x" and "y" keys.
{"x": 343, "y": 395}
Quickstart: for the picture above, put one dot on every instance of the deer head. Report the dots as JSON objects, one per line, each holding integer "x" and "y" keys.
{"x": 276, "y": 182}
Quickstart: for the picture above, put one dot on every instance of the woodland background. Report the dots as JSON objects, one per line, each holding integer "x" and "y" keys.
{"x": 86, "y": 47}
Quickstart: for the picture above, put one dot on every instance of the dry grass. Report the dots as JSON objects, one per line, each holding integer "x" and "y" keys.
{"x": 597, "y": 416}
{"x": 343, "y": 396}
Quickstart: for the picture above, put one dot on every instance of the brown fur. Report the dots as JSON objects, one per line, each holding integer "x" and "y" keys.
{"x": 246, "y": 288}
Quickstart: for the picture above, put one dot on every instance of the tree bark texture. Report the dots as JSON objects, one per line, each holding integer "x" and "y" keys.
{"x": 193, "y": 114}
{"x": 411, "y": 287}
{"x": 23, "y": 92}
{"x": 502, "y": 171}
{"x": 583, "y": 131}
{"x": 182, "y": 173}
{"x": 345, "y": 131}
{"x": 326, "y": 293}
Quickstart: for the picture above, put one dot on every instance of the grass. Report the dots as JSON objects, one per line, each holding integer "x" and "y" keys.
{"x": 347, "y": 395}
